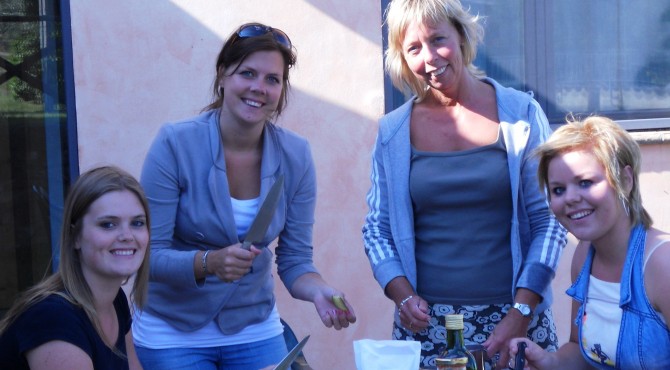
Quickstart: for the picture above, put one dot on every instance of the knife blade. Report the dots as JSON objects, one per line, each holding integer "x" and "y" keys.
{"x": 286, "y": 362}
{"x": 264, "y": 216}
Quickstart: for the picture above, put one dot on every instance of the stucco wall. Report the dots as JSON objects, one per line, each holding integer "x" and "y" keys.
{"x": 139, "y": 64}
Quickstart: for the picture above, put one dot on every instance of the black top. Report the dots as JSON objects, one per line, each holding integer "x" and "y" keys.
{"x": 55, "y": 318}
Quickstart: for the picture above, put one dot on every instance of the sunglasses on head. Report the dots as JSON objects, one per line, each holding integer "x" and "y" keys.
{"x": 255, "y": 30}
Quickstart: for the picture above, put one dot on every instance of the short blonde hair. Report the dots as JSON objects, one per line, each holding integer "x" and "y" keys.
{"x": 400, "y": 14}
{"x": 612, "y": 146}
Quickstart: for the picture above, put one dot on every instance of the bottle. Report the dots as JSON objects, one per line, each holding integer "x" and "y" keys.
{"x": 455, "y": 343}
{"x": 456, "y": 363}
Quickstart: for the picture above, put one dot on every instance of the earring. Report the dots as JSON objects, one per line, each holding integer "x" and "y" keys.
{"x": 220, "y": 90}
{"x": 625, "y": 206}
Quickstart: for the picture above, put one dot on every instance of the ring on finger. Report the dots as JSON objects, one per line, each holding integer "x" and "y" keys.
{"x": 510, "y": 364}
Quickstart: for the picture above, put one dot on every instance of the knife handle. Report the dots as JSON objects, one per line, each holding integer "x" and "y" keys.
{"x": 247, "y": 245}
{"x": 520, "y": 356}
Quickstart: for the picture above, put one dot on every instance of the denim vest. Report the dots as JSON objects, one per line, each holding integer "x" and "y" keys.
{"x": 644, "y": 340}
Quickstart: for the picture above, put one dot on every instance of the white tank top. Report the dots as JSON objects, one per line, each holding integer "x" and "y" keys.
{"x": 602, "y": 317}
{"x": 150, "y": 331}
{"x": 601, "y": 320}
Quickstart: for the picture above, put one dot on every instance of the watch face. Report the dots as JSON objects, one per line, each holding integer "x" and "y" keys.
{"x": 523, "y": 308}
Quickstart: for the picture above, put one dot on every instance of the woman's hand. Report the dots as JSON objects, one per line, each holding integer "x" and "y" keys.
{"x": 513, "y": 325}
{"x": 536, "y": 357}
{"x": 330, "y": 314}
{"x": 312, "y": 288}
{"x": 412, "y": 309}
{"x": 231, "y": 263}
{"x": 413, "y": 314}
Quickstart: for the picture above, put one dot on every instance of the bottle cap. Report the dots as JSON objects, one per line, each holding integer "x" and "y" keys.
{"x": 453, "y": 322}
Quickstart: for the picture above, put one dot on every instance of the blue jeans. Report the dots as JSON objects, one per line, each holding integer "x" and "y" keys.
{"x": 248, "y": 356}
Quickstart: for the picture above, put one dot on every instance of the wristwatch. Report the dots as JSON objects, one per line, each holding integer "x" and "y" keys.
{"x": 525, "y": 309}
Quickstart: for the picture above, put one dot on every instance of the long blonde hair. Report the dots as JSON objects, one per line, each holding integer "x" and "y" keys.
{"x": 68, "y": 281}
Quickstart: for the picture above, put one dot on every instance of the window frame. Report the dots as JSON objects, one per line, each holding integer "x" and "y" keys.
{"x": 72, "y": 139}
{"x": 61, "y": 139}
{"x": 70, "y": 97}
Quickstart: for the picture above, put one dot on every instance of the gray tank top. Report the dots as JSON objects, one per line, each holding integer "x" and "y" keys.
{"x": 462, "y": 216}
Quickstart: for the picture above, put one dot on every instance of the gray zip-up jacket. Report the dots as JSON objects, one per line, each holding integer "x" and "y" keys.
{"x": 537, "y": 239}
{"x": 184, "y": 177}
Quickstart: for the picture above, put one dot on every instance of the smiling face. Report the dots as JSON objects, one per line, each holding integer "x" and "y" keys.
{"x": 433, "y": 54}
{"x": 582, "y": 198}
{"x": 253, "y": 88}
{"x": 114, "y": 237}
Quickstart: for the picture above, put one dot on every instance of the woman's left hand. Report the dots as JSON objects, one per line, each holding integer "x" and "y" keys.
{"x": 312, "y": 288}
{"x": 330, "y": 314}
{"x": 513, "y": 325}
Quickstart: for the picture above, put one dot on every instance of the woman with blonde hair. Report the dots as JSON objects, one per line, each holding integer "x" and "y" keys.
{"x": 590, "y": 171}
{"x": 79, "y": 317}
{"x": 456, "y": 223}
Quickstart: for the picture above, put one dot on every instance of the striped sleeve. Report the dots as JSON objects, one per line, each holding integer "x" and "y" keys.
{"x": 377, "y": 237}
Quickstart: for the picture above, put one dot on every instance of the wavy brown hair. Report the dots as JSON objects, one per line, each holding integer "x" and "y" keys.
{"x": 236, "y": 49}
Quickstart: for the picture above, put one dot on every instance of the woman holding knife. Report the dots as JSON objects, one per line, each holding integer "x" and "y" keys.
{"x": 211, "y": 303}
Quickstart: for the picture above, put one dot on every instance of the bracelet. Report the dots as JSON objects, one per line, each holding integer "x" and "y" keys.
{"x": 402, "y": 303}
{"x": 204, "y": 261}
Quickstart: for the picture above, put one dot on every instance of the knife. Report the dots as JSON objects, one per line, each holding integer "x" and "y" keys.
{"x": 520, "y": 359}
{"x": 286, "y": 362}
{"x": 262, "y": 220}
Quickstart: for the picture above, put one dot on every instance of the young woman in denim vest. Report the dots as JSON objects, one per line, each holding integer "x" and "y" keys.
{"x": 621, "y": 267}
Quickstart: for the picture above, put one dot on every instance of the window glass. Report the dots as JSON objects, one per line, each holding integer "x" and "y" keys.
{"x": 600, "y": 56}
{"x": 501, "y": 55}
{"x": 597, "y": 56}
{"x": 611, "y": 56}
{"x": 33, "y": 142}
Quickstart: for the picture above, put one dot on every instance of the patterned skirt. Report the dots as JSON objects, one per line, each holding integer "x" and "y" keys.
{"x": 479, "y": 322}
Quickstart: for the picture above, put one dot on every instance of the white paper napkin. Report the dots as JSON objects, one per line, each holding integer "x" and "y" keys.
{"x": 387, "y": 354}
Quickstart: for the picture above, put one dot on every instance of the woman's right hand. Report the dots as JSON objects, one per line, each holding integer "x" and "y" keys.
{"x": 414, "y": 314}
{"x": 412, "y": 309}
{"x": 231, "y": 263}
{"x": 536, "y": 357}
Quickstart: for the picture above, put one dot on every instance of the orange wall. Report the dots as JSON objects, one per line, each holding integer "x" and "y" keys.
{"x": 139, "y": 64}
